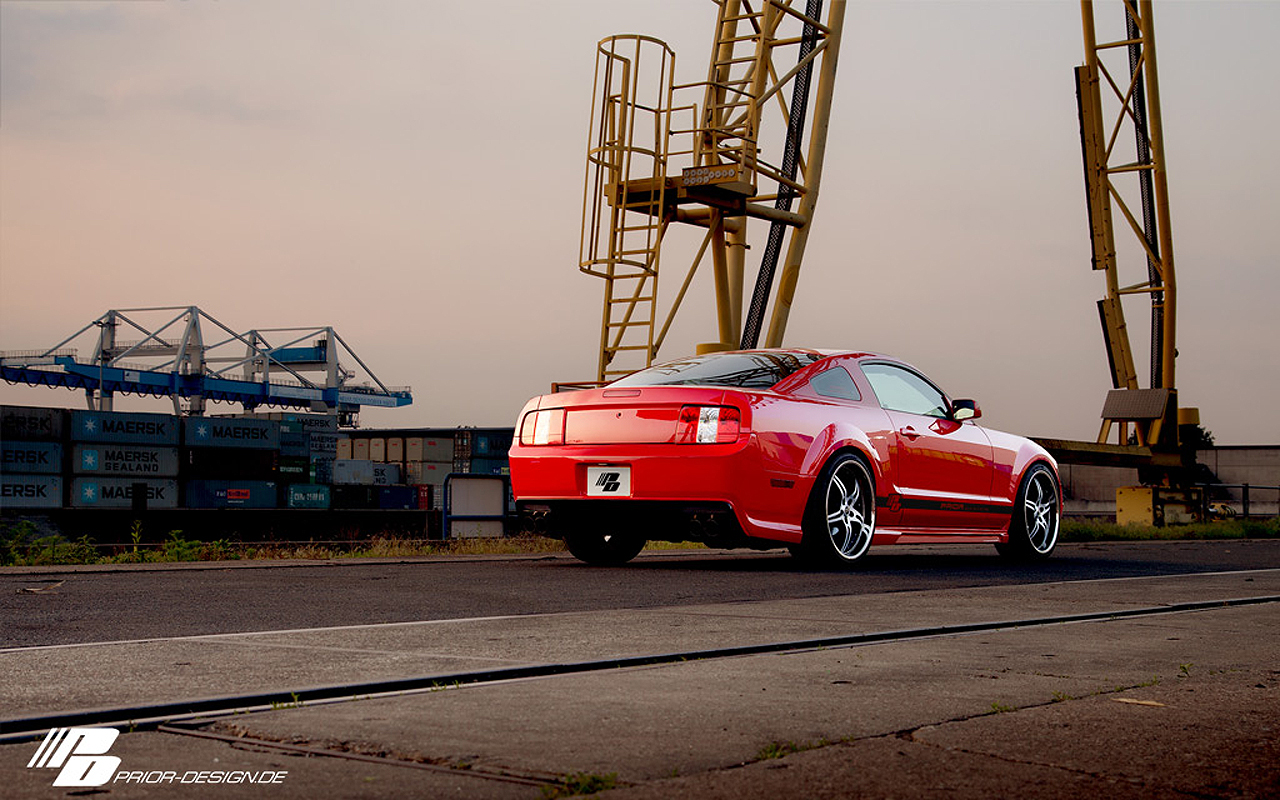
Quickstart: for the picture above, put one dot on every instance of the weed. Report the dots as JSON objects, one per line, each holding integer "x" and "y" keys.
{"x": 777, "y": 750}
{"x": 1061, "y": 697}
{"x": 579, "y": 783}
{"x": 1078, "y": 531}
{"x": 280, "y": 705}
{"x": 1000, "y": 708}
{"x": 1185, "y": 670}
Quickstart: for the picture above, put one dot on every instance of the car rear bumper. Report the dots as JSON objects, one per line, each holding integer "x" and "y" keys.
{"x": 702, "y": 492}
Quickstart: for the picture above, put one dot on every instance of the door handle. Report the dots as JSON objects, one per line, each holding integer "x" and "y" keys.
{"x": 909, "y": 432}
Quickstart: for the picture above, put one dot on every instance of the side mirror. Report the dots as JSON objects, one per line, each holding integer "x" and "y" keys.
{"x": 962, "y": 410}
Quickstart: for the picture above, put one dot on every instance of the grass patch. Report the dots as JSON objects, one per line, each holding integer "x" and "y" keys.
{"x": 22, "y": 544}
{"x": 1077, "y": 531}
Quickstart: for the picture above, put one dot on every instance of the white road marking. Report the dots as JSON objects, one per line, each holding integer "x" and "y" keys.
{"x": 498, "y": 618}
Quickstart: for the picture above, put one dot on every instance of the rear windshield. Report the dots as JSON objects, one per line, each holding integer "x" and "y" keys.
{"x": 747, "y": 370}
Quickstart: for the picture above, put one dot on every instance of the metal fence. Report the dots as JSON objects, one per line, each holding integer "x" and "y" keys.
{"x": 1250, "y": 497}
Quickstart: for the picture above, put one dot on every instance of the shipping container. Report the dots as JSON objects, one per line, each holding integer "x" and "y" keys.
{"x": 294, "y": 469}
{"x": 490, "y": 466}
{"x": 427, "y": 472}
{"x": 426, "y": 497}
{"x": 95, "y": 492}
{"x": 343, "y": 449}
{"x": 257, "y": 434}
{"x": 321, "y": 470}
{"x": 30, "y": 491}
{"x": 230, "y": 463}
{"x": 386, "y": 474}
{"x": 295, "y": 444}
{"x": 117, "y": 427}
{"x": 306, "y": 423}
{"x": 231, "y": 494}
{"x": 30, "y": 424}
{"x": 395, "y": 450}
{"x": 378, "y": 449}
{"x": 360, "y": 449}
{"x": 355, "y": 496}
{"x": 353, "y": 472}
{"x": 324, "y": 444}
{"x": 490, "y": 444}
{"x": 397, "y": 497}
{"x": 30, "y": 458}
{"x": 124, "y": 460}
{"x": 428, "y": 449}
{"x": 461, "y": 445}
{"x": 307, "y": 495}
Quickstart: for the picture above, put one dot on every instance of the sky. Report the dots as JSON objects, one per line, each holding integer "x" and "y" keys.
{"x": 411, "y": 173}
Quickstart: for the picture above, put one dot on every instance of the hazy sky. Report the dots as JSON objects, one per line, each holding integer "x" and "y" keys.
{"x": 411, "y": 173}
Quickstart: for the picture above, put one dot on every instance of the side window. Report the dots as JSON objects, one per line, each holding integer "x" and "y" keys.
{"x": 902, "y": 390}
{"x": 835, "y": 383}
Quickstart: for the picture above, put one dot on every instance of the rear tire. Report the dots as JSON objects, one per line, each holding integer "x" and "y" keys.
{"x": 1037, "y": 514}
{"x": 603, "y": 549}
{"x": 840, "y": 519}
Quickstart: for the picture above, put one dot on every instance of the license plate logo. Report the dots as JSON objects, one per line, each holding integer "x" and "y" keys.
{"x": 608, "y": 481}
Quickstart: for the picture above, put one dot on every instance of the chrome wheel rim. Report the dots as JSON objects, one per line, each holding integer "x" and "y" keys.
{"x": 1040, "y": 512}
{"x": 851, "y": 510}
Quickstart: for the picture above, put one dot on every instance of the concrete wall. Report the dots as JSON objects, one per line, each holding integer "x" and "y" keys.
{"x": 1091, "y": 491}
{"x": 1257, "y": 466}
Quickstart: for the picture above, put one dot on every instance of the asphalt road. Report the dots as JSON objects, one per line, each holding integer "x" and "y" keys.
{"x": 1174, "y": 702}
{"x": 100, "y": 605}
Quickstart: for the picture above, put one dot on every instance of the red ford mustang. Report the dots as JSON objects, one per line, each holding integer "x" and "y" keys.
{"x": 825, "y": 453}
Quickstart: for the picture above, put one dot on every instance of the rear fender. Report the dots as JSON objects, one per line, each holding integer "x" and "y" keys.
{"x": 836, "y": 438}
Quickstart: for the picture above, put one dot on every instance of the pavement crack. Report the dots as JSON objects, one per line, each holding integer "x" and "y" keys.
{"x": 238, "y": 736}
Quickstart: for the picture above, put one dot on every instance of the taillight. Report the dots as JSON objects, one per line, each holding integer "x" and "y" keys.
{"x": 543, "y": 427}
{"x": 708, "y": 425}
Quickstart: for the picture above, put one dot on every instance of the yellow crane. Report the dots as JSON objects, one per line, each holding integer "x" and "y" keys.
{"x": 711, "y": 154}
{"x": 663, "y": 154}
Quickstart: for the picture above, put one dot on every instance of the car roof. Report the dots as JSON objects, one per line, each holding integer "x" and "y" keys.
{"x": 823, "y": 352}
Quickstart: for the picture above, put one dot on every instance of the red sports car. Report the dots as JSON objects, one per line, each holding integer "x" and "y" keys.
{"x": 825, "y": 453}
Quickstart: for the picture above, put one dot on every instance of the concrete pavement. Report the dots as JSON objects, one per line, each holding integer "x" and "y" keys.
{"x": 1035, "y": 712}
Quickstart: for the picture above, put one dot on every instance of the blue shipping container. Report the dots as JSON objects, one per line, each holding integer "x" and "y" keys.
{"x": 30, "y": 424}
{"x": 307, "y": 495}
{"x": 30, "y": 491}
{"x": 255, "y": 434}
{"x": 295, "y": 444}
{"x": 491, "y": 445}
{"x": 398, "y": 497}
{"x": 31, "y": 458}
{"x": 110, "y": 426}
{"x": 490, "y": 466}
{"x": 231, "y": 494}
{"x": 125, "y": 460}
{"x": 118, "y": 492}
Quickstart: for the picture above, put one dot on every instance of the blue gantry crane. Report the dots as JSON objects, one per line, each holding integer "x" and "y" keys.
{"x": 164, "y": 352}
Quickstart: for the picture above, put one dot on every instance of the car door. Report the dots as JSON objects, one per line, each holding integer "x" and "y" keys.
{"x": 944, "y": 467}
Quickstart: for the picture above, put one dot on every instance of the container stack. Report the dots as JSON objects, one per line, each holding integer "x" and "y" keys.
{"x": 489, "y": 453}
{"x": 54, "y": 458}
{"x": 308, "y": 447}
{"x": 31, "y": 457}
{"x": 232, "y": 463}
{"x": 113, "y": 452}
{"x": 428, "y": 461}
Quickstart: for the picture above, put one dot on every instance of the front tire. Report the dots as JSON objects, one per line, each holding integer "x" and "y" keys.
{"x": 603, "y": 549}
{"x": 840, "y": 520}
{"x": 1037, "y": 514}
